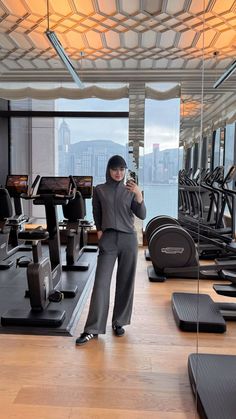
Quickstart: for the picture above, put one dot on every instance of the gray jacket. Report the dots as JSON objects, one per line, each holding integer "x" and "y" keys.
{"x": 114, "y": 206}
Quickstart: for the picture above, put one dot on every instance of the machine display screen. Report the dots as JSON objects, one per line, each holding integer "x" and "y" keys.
{"x": 84, "y": 185}
{"x": 54, "y": 185}
{"x": 17, "y": 185}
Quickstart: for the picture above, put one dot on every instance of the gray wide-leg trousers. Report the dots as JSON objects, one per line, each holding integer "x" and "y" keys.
{"x": 123, "y": 247}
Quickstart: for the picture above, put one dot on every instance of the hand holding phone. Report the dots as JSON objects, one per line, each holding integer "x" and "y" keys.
{"x": 131, "y": 176}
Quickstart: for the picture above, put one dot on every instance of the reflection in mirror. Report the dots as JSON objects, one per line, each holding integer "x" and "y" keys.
{"x": 212, "y": 127}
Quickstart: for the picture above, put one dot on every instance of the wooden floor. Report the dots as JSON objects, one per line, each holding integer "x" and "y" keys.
{"x": 141, "y": 375}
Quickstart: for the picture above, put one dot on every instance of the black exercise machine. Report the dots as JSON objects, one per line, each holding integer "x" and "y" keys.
{"x": 173, "y": 253}
{"x": 209, "y": 216}
{"x": 44, "y": 273}
{"x": 155, "y": 223}
{"x": 173, "y": 250}
{"x": 76, "y": 227}
{"x": 12, "y": 218}
{"x": 199, "y": 311}
{"x": 5, "y": 212}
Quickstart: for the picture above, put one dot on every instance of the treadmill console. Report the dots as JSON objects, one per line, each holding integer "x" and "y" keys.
{"x": 53, "y": 190}
{"x": 84, "y": 185}
{"x": 54, "y": 185}
{"x": 17, "y": 185}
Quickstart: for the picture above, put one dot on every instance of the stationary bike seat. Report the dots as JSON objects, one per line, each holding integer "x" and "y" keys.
{"x": 34, "y": 234}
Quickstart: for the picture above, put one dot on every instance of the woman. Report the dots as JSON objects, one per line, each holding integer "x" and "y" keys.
{"x": 114, "y": 206}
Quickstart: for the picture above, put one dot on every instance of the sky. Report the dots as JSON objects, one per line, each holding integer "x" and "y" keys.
{"x": 162, "y": 120}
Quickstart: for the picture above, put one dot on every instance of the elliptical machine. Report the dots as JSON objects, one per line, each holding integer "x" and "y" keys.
{"x": 154, "y": 223}
{"x": 44, "y": 273}
{"x": 173, "y": 253}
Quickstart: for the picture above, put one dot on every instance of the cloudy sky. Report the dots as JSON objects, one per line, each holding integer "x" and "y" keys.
{"x": 161, "y": 121}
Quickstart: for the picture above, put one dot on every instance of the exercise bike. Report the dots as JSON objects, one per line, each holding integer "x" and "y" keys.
{"x": 12, "y": 218}
{"x": 44, "y": 273}
{"x": 76, "y": 227}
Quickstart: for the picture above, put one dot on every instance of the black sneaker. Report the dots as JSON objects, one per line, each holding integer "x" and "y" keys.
{"x": 118, "y": 330}
{"x": 84, "y": 338}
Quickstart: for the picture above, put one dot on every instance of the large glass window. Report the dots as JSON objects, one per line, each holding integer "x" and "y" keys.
{"x": 161, "y": 156}
{"x": 63, "y": 146}
{"x": 229, "y": 146}
{"x": 82, "y": 146}
{"x": 216, "y": 148}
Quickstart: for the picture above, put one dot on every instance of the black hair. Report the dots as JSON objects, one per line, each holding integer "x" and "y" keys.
{"x": 116, "y": 161}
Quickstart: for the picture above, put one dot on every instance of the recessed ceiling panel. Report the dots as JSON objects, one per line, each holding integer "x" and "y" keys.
{"x": 36, "y": 7}
{"x": 129, "y": 7}
{"x": 130, "y": 63}
{"x": 226, "y": 39}
{"x": 207, "y": 39}
{"x": 6, "y": 42}
{"x": 178, "y": 63}
{"x": 186, "y": 39}
{"x": 74, "y": 39}
{"x": 94, "y": 39}
{"x": 14, "y": 7}
{"x": 107, "y": 7}
{"x": 11, "y": 64}
{"x": 148, "y": 39}
{"x": 194, "y": 63}
{"x": 146, "y": 63}
{"x": 61, "y": 7}
{"x": 102, "y": 64}
{"x": 20, "y": 40}
{"x": 221, "y": 6}
{"x": 130, "y": 39}
{"x": 152, "y": 6}
{"x": 162, "y": 63}
{"x": 174, "y": 7}
{"x": 198, "y": 6}
{"x": 25, "y": 64}
{"x": 40, "y": 39}
{"x": 112, "y": 39}
{"x": 84, "y": 7}
{"x": 167, "y": 39}
{"x": 115, "y": 63}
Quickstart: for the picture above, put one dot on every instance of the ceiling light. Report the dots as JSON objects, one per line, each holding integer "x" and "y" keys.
{"x": 64, "y": 57}
{"x": 226, "y": 75}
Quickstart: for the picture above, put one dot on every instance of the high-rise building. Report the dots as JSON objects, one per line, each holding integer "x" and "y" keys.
{"x": 63, "y": 149}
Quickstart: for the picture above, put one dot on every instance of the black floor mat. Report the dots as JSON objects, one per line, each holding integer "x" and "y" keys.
{"x": 13, "y": 284}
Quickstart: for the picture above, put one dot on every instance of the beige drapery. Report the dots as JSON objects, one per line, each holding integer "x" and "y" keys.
{"x": 87, "y": 92}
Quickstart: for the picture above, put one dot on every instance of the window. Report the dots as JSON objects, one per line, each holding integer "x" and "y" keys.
{"x": 229, "y": 146}
{"x": 68, "y": 146}
{"x": 161, "y": 157}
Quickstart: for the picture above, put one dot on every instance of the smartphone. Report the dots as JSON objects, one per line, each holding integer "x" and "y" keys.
{"x": 131, "y": 176}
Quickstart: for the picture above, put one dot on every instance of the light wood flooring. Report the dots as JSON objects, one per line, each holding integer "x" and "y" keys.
{"x": 142, "y": 375}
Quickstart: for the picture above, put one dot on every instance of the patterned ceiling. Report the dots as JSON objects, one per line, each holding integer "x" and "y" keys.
{"x": 151, "y": 40}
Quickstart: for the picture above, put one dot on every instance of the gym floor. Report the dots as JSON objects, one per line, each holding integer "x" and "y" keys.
{"x": 141, "y": 375}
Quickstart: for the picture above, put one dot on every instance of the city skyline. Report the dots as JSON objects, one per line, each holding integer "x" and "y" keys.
{"x": 162, "y": 120}
{"x": 90, "y": 158}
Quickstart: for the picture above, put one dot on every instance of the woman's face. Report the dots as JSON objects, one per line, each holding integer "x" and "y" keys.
{"x": 117, "y": 174}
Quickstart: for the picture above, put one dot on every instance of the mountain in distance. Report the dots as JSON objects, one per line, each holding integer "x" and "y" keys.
{"x": 107, "y": 146}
